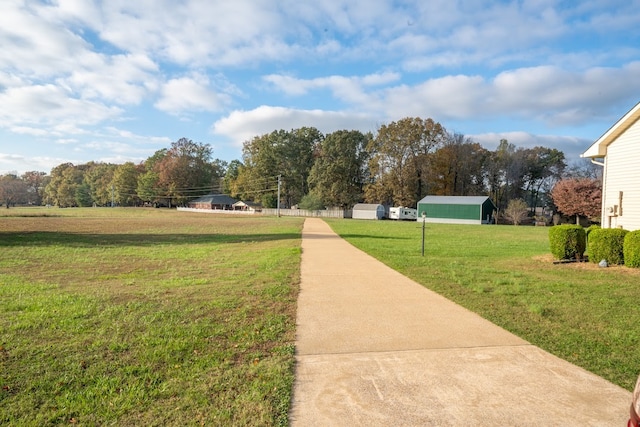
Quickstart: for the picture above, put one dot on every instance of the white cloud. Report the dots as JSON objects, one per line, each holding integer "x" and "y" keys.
{"x": 241, "y": 126}
{"x": 28, "y": 130}
{"x": 445, "y": 98}
{"x": 10, "y": 80}
{"x": 380, "y": 78}
{"x": 560, "y": 97}
{"x": 550, "y": 95}
{"x": 111, "y": 146}
{"x": 350, "y": 89}
{"x": 83, "y": 11}
{"x": 47, "y": 52}
{"x": 571, "y": 146}
{"x": 50, "y": 106}
{"x": 619, "y": 15}
{"x": 197, "y": 32}
{"x": 15, "y": 163}
{"x": 73, "y": 70}
{"x": 192, "y": 93}
{"x": 244, "y": 32}
{"x": 547, "y": 94}
{"x": 123, "y": 79}
{"x": 126, "y": 134}
{"x": 66, "y": 141}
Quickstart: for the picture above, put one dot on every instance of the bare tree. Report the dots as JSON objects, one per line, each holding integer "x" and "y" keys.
{"x": 516, "y": 211}
{"x": 12, "y": 190}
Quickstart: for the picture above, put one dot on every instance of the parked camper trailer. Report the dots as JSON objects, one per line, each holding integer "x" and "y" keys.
{"x": 403, "y": 213}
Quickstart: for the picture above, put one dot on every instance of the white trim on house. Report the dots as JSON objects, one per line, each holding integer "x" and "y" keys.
{"x": 599, "y": 148}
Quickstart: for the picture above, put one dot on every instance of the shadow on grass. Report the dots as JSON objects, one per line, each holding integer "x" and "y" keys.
{"x": 312, "y": 236}
{"x": 45, "y": 238}
{"x": 366, "y": 236}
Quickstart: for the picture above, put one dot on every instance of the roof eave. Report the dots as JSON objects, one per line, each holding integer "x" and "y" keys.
{"x": 596, "y": 150}
{"x": 599, "y": 148}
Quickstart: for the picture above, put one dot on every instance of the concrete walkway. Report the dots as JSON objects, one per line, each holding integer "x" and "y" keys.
{"x": 375, "y": 348}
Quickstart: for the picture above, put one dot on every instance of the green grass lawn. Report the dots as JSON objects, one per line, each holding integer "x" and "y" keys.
{"x": 146, "y": 317}
{"x": 157, "y": 317}
{"x": 580, "y": 312}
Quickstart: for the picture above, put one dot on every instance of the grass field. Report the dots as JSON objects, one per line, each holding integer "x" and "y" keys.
{"x": 580, "y": 312}
{"x": 157, "y": 317}
{"x": 146, "y": 317}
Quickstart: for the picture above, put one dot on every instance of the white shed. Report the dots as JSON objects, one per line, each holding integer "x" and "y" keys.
{"x": 368, "y": 211}
{"x": 617, "y": 151}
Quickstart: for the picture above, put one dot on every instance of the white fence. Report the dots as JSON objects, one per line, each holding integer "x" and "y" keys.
{"x": 218, "y": 211}
{"x": 328, "y": 213}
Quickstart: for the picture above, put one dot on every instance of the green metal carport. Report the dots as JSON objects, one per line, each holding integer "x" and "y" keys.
{"x": 457, "y": 209}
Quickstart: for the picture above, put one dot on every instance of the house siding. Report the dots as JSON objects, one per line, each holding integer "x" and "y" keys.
{"x": 622, "y": 174}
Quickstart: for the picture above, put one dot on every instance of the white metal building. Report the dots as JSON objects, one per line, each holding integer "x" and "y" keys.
{"x": 617, "y": 151}
{"x": 368, "y": 211}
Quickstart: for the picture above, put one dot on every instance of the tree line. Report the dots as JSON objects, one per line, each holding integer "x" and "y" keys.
{"x": 403, "y": 162}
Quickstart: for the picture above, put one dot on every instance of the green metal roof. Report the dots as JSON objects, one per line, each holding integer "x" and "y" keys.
{"x": 455, "y": 200}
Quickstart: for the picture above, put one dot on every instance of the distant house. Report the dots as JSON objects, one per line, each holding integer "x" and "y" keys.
{"x": 368, "y": 211}
{"x": 212, "y": 202}
{"x": 247, "y": 206}
{"x": 456, "y": 209}
{"x": 617, "y": 151}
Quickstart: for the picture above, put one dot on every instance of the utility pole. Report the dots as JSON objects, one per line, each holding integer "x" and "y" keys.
{"x": 113, "y": 197}
{"x": 278, "y": 208}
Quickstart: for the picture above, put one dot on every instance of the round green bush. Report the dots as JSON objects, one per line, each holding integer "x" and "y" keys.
{"x": 590, "y": 229}
{"x": 632, "y": 249}
{"x": 607, "y": 244}
{"x": 567, "y": 241}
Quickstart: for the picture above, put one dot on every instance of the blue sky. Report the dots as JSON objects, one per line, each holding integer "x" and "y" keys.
{"x": 116, "y": 80}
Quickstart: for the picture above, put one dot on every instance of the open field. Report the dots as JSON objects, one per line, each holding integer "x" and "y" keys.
{"x": 157, "y": 317}
{"x": 580, "y": 312}
{"x": 146, "y": 317}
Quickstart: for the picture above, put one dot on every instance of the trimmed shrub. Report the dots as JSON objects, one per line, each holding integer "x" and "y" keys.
{"x": 607, "y": 243}
{"x": 590, "y": 229}
{"x": 567, "y": 241}
{"x": 632, "y": 249}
